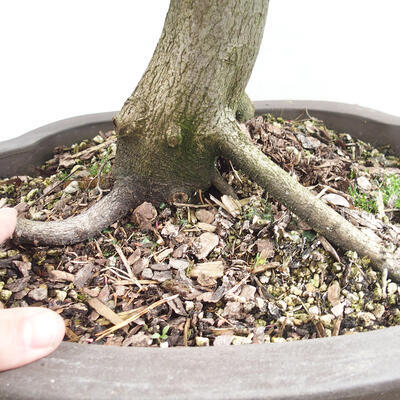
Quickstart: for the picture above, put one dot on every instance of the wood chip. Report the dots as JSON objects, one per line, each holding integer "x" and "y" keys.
{"x": 57, "y": 275}
{"x": 214, "y": 269}
{"x": 23, "y": 266}
{"x": 231, "y": 205}
{"x": 205, "y": 216}
{"x": 329, "y": 248}
{"x": 309, "y": 142}
{"x": 208, "y": 241}
{"x": 68, "y": 160}
{"x": 334, "y": 293}
{"x": 379, "y": 204}
{"x": 335, "y": 200}
{"x": 135, "y": 256}
{"x": 160, "y": 257}
{"x": 265, "y": 267}
{"x": 84, "y": 276}
{"x": 104, "y": 311}
{"x": 186, "y": 332}
{"x": 71, "y": 335}
{"x": 144, "y": 215}
{"x": 336, "y": 326}
{"x": 206, "y": 227}
{"x": 266, "y": 248}
{"x": 319, "y": 328}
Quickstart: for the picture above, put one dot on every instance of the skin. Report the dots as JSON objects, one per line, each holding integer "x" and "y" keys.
{"x": 26, "y": 334}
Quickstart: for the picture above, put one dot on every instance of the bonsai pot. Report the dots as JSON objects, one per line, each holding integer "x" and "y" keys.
{"x": 359, "y": 366}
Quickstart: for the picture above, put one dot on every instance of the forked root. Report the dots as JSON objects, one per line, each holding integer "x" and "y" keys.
{"x": 83, "y": 226}
{"x": 234, "y": 145}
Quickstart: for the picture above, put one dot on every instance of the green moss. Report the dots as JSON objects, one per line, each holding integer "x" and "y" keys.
{"x": 362, "y": 200}
{"x": 391, "y": 187}
{"x": 245, "y": 109}
{"x": 7, "y": 189}
{"x": 257, "y": 207}
{"x": 188, "y": 126}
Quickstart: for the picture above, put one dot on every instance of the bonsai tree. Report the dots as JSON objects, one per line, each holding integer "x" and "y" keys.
{"x": 183, "y": 115}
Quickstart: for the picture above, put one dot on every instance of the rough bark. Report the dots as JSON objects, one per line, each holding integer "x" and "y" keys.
{"x": 200, "y": 67}
{"x": 83, "y": 226}
{"x": 183, "y": 115}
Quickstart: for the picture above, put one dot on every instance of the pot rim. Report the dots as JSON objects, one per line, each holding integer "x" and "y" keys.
{"x": 362, "y": 366}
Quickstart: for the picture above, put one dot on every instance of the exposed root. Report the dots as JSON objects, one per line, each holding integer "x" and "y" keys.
{"x": 222, "y": 185}
{"x": 236, "y": 146}
{"x": 83, "y": 226}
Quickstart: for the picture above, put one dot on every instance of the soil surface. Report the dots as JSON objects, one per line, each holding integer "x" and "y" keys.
{"x": 216, "y": 271}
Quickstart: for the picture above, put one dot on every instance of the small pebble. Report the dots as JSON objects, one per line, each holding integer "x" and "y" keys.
{"x": 72, "y": 188}
{"x": 5, "y": 295}
{"x": 314, "y": 310}
{"x": 205, "y": 216}
{"x": 238, "y": 340}
{"x": 60, "y": 295}
{"x": 279, "y": 339}
{"x": 202, "y": 341}
{"x": 366, "y": 318}
{"x": 379, "y": 310}
{"x": 189, "y": 306}
{"x": 39, "y": 293}
{"x": 392, "y": 288}
{"x": 147, "y": 273}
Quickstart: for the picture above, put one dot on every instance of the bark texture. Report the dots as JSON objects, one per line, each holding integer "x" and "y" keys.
{"x": 183, "y": 115}
{"x": 83, "y": 226}
{"x": 199, "y": 69}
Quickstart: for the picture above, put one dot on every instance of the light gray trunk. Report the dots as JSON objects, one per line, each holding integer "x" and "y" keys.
{"x": 198, "y": 73}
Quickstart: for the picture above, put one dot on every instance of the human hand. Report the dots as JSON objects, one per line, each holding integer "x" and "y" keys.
{"x": 26, "y": 333}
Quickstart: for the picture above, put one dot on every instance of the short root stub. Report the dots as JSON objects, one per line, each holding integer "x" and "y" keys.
{"x": 174, "y": 136}
{"x": 179, "y": 197}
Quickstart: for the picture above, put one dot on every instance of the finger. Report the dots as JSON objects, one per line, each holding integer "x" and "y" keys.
{"x": 27, "y": 334}
{"x": 8, "y": 220}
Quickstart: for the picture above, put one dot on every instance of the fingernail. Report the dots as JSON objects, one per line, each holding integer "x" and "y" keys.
{"x": 41, "y": 330}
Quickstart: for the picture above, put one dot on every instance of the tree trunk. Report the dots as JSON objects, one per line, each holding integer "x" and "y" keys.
{"x": 183, "y": 115}
{"x": 198, "y": 71}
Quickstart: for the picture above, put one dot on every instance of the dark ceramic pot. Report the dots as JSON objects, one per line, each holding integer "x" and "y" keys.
{"x": 362, "y": 366}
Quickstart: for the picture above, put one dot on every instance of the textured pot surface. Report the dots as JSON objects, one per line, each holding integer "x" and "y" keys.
{"x": 361, "y": 366}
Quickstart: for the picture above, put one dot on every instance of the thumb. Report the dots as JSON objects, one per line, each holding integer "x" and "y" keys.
{"x": 8, "y": 219}
{"x": 27, "y": 334}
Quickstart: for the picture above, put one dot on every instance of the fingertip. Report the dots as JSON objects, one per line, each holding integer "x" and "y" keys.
{"x": 43, "y": 330}
{"x": 8, "y": 221}
{"x": 27, "y": 334}
{"x": 10, "y": 212}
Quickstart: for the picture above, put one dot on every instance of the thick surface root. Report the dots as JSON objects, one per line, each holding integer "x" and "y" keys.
{"x": 83, "y": 226}
{"x": 236, "y": 146}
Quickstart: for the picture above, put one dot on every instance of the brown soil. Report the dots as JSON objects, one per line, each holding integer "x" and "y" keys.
{"x": 215, "y": 271}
